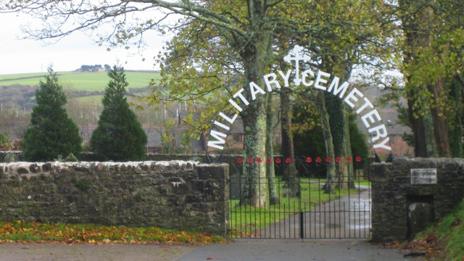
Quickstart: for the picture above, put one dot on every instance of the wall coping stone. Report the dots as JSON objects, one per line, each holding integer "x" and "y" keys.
{"x": 40, "y": 168}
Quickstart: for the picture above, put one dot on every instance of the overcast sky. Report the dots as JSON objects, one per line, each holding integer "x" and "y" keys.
{"x": 20, "y": 55}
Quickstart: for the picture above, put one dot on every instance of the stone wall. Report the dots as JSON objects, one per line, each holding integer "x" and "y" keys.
{"x": 231, "y": 159}
{"x": 235, "y": 168}
{"x": 400, "y": 209}
{"x": 174, "y": 194}
{"x": 10, "y": 156}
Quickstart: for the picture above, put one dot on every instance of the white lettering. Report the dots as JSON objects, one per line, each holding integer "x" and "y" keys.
{"x": 369, "y": 117}
{"x": 338, "y": 90}
{"x": 366, "y": 104}
{"x": 306, "y": 74}
{"x": 227, "y": 118}
{"x": 286, "y": 77}
{"x": 379, "y": 132}
{"x": 255, "y": 89}
{"x": 220, "y": 140}
{"x": 383, "y": 145}
{"x": 221, "y": 125}
{"x": 352, "y": 97}
{"x": 241, "y": 97}
{"x": 233, "y": 103}
{"x": 267, "y": 80}
{"x": 321, "y": 79}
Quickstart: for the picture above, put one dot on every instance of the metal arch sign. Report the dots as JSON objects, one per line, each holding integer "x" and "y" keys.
{"x": 319, "y": 80}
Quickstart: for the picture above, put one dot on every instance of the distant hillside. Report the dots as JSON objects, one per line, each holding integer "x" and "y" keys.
{"x": 79, "y": 81}
{"x": 83, "y": 89}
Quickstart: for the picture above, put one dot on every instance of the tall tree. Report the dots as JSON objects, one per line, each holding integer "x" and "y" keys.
{"x": 362, "y": 40}
{"x": 247, "y": 29}
{"x": 432, "y": 64}
{"x": 328, "y": 140}
{"x": 287, "y": 147}
{"x": 417, "y": 36}
{"x": 51, "y": 132}
{"x": 118, "y": 136}
{"x": 270, "y": 169}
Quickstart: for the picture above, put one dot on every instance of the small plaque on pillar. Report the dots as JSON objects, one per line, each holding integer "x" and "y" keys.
{"x": 423, "y": 176}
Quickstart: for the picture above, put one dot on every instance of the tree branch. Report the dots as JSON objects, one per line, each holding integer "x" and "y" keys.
{"x": 91, "y": 14}
{"x": 270, "y": 4}
{"x": 187, "y": 8}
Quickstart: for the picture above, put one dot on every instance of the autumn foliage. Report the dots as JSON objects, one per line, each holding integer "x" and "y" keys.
{"x": 20, "y": 231}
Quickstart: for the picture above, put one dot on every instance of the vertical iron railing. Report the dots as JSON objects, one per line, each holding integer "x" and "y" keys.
{"x": 342, "y": 213}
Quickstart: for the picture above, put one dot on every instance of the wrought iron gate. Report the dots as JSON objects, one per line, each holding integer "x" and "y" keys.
{"x": 319, "y": 207}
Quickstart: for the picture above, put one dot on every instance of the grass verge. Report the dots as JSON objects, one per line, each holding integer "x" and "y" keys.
{"x": 20, "y": 231}
{"x": 445, "y": 239}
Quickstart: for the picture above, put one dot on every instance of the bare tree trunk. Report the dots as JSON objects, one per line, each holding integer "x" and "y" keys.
{"x": 255, "y": 58}
{"x": 439, "y": 122}
{"x": 430, "y": 142}
{"x": 270, "y": 171}
{"x": 290, "y": 173}
{"x": 256, "y": 189}
{"x": 418, "y": 130}
{"x": 339, "y": 128}
{"x": 328, "y": 141}
{"x": 456, "y": 128}
{"x": 348, "y": 181}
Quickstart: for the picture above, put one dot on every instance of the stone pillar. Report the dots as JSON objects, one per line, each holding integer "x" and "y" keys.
{"x": 214, "y": 180}
{"x": 389, "y": 220}
{"x": 402, "y": 207}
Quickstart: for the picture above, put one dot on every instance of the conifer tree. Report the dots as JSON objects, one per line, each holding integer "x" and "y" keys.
{"x": 119, "y": 136}
{"x": 51, "y": 133}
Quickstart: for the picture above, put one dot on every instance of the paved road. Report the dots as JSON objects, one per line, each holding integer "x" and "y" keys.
{"x": 346, "y": 218}
{"x": 86, "y": 252}
{"x": 289, "y": 250}
{"x": 246, "y": 250}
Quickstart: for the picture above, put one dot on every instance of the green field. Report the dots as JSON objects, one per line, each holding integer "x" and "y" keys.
{"x": 90, "y": 100}
{"x": 81, "y": 81}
